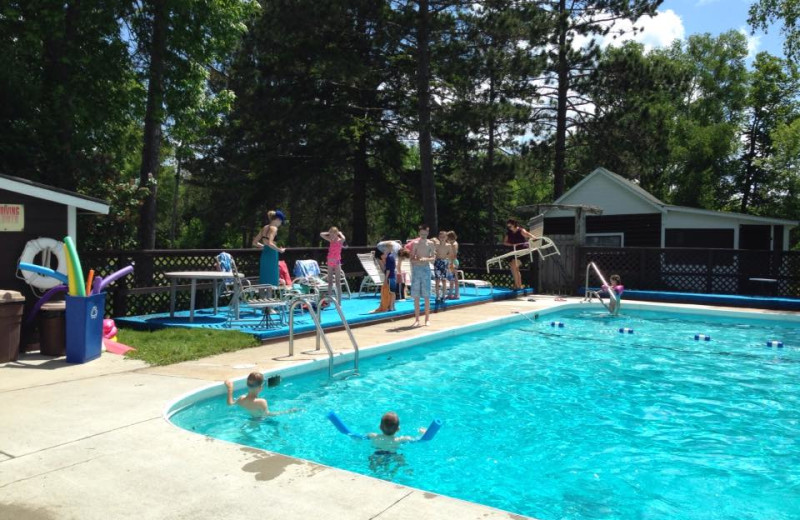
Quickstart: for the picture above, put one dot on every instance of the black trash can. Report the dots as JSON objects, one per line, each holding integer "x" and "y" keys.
{"x": 52, "y": 329}
{"x": 12, "y": 304}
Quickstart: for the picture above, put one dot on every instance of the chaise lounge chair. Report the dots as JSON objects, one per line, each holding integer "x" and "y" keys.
{"x": 538, "y": 243}
{"x": 373, "y": 280}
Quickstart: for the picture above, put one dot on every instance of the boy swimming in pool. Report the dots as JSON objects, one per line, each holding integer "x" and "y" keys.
{"x": 386, "y": 442}
{"x": 257, "y": 406}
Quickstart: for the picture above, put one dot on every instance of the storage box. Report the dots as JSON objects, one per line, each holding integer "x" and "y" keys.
{"x": 84, "y": 327}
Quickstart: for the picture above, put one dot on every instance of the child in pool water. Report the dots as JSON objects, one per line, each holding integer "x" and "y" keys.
{"x": 386, "y": 442}
{"x": 257, "y": 406}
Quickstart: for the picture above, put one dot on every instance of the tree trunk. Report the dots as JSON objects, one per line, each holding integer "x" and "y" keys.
{"x": 61, "y": 169}
{"x": 424, "y": 109}
{"x": 490, "y": 158}
{"x": 153, "y": 119}
{"x": 360, "y": 178}
{"x": 749, "y": 168}
{"x": 562, "y": 68}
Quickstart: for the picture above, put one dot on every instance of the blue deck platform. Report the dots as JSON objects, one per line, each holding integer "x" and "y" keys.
{"x": 356, "y": 310}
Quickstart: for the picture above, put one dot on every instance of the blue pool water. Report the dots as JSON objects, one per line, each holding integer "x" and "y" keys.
{"x": 574, "y": 422}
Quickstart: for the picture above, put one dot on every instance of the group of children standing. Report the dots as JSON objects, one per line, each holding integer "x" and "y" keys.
{"x": 413, "y": 281}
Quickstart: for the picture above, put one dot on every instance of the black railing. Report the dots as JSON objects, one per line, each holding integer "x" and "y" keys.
{"x": 709, "y": 271}
{"x": 147, "y": 291}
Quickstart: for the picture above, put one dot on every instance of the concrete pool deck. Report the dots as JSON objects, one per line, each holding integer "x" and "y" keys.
{"x": 89, "y": 441}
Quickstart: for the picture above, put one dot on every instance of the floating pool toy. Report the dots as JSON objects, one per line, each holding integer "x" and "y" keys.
{"x": 44, "y": 299}
{"x": 429, "y": 434}
{"x": 89, "y": 280}
{"x": 70, "y": 279}
{"x": 44, "y": 271}
{"x": 74, "y": 269}
{"x": 113, "y": 277}
{"x": 775, "y": 343}
{"x": 702, "y": 337}
{"x": 625, "y": 330}
{"x": 559, "y": 324}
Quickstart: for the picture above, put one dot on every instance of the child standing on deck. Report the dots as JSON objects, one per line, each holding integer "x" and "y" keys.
{"x": 336, "y": 239}
{"x": 402, "y": 279}
{"x": 454, "y": 292}
{"x": 440, "y": 265}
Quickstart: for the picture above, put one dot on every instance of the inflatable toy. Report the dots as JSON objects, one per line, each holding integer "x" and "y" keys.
{"x": 109, "y": 330}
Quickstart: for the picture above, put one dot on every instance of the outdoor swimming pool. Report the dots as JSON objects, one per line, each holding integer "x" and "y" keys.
{"x": 575, "y": 422}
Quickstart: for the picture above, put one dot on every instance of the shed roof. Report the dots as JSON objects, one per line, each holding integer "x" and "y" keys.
{"x": 53, "y": 194}
{"x": 637, "y": 190}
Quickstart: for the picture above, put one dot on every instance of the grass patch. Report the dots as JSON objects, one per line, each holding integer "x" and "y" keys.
{"x": 173, "y": 345}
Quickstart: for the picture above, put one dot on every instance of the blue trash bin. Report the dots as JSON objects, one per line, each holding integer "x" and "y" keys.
{"x": 84, "y": 327}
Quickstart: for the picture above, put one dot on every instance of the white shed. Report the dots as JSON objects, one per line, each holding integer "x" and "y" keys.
{"x": 633, "y": 217}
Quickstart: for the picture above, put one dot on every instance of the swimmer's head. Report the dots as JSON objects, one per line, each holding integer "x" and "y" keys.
{"x": 390, "y": 423}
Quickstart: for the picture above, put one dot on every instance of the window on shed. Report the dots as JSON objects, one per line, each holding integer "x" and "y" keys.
{"x": 605, "y": 239}
{"x": 710, "y": 238}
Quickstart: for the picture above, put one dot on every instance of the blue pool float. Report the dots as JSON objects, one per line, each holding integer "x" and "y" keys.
{"x": 429, "y": 434}
{"x": 775, "y": 343}
{"x": 704, "y": 337}
{"x": 44, "y": 271}
{"x": 625, "y": 330}
{"x": 559, "y": 324}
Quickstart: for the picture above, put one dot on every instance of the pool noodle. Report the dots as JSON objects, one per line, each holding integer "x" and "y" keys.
{"x": 429, "y": 434}
{"x": 89, "y": 280}
{"x": 46, "y": 271}
{"x": 44, "y": 299}
{"x": 75, "y": 262}
{"x": 341, "y": 426}
{"x": 125, "y": 271}
{"x": 70, "y": 277}
{"x": 98, "y": 280}
{"x": 432, "y": 430}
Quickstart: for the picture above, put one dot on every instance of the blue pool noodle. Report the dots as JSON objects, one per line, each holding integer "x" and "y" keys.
{"x": 341, "y": 426}
{"x": 43, "y": 271}
{"x": 430, "y": 433}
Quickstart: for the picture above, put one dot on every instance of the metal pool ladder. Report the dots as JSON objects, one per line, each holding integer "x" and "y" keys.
{"x": 321, "y": 333}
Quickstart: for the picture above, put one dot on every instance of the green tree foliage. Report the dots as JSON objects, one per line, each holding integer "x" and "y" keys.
{"x": 70, "y": 96}
{"x": 487, "y": 112}
{"x": 571, "y": 64}
{"x": 771, "y": 102}
{"x": 636, "y": 98}
{"x": 313, "y": 129}
{"x": 764, "y": 13}
{"x": 709, "y": 119}
{"x": 178, "y": 45}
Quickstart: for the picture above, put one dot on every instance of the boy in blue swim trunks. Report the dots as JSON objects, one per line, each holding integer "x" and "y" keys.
{"x": 422, "y": 254}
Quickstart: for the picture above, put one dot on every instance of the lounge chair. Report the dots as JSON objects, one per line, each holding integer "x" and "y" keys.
{"x": 261, "y": 298}
{"x": 538, "y": 243}
{"x": 308, "y": 274}
{"x": 373, "y": 281}
{"x": 475, "y": 284}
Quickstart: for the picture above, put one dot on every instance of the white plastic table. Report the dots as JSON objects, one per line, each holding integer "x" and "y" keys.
{"x": 194, "y": 276}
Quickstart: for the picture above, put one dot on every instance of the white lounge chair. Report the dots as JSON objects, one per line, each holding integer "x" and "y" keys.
{"x": 373, "y": 280}
{"x": 538, "y": 243}
{"x": 258, "y": 297}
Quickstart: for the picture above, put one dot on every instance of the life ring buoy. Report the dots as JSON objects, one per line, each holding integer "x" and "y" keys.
{"x": 47, "y": 247}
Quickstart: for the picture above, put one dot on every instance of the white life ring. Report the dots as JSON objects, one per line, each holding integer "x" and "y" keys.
{"x": 47, "y": 247}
